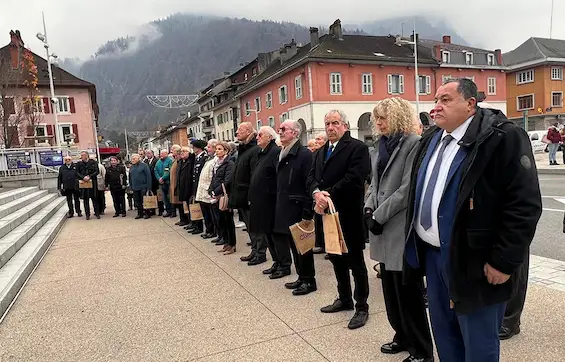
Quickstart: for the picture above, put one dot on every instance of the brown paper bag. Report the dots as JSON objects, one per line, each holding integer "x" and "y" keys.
{"x": 304, "y": 236}
{"x": 333, "y": 235}
{"x": 85, "y": 184}
{"x": 195, "y": 211}
{"x": 150, "y": 201}
{"x": 159, "y": 195}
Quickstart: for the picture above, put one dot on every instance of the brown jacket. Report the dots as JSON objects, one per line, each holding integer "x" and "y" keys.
{"x": 173, "y": 185}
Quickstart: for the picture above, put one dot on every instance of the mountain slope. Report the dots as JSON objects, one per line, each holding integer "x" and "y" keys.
{"x": 181, "y": 55}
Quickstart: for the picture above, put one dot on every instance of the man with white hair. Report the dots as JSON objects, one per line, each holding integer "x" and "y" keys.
{"x": 87, "y": 170}
{"x": 246, "y": 158}
{"x": 339, "y": 171}
{"x": 263, "y": 198}
{"x": 294, "y": 204}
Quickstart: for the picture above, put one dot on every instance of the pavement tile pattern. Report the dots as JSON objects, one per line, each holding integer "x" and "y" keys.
{"x": 144, "y": 290}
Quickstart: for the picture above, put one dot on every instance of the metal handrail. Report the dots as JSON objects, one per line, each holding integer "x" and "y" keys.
{"x": 44, "y": 167}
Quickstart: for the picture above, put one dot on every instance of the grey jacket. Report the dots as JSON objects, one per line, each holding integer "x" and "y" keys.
{"x": 388, "y": 197}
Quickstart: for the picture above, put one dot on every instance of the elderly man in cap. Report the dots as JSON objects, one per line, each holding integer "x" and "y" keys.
{"x": 200, "y": 158}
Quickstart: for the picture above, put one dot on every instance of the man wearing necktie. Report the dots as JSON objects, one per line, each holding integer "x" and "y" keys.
{"x": 473, "y": 209}
{"x": 339, "y": 171}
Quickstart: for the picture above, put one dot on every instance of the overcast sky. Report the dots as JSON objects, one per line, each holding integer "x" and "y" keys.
{"x": 76, "y": 28}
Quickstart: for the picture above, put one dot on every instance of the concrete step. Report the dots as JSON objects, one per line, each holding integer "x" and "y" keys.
{"x": 13, "y": 206}
{"x": 15, "y": 272}
{"x": 15, "y": 239}
{"x": 9, "y": 195}
{"x": 12, "y": 221}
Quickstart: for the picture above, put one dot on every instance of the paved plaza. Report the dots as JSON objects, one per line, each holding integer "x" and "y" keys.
{"x": 144, "y": 290}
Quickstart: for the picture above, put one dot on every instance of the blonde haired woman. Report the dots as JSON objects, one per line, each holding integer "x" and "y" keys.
{"x": 385, "y": 215}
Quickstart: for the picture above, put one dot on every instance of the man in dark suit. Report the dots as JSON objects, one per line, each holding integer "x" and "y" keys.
{"x": 151, "y": 161}
{"x": 473, "y": 209}
{"x": 200, "y": 157}
{"x": 339, "y": 171}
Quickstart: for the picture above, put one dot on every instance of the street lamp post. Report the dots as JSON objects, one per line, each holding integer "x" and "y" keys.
{"x": 399, "y": 42}
{"x": 54, "y": 100}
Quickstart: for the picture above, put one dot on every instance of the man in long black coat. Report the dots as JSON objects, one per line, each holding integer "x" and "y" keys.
{"x": 339, "y": 172}
{"x": 87, "y": 170}
{"x": 263, "y": 198}
{"x": 200, "y": 158}
{"x": 294, "y": 203}
{"x": 67, "y": 183}
{"x": 246, "y": 158}
{"x": 184, "y": 183}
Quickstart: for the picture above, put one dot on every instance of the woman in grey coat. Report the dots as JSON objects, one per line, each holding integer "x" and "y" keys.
{"x": 385, "y": 216}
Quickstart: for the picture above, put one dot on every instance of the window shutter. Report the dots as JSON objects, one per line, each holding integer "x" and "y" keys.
{"x": 401, "y": 84}
{"x": 50, "y": 130}
{"x": 389, "y": 84}
{"x": 9, "y": 106}
{"x": 30, "y": 131}
{"x": 46, "y": 105}
{"x": 75, "y": 132}
{"x": 72, "y": 104}
{"x": 428, "y": 84}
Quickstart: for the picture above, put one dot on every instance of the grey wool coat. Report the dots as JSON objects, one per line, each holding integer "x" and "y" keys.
{"x": 388, "y": 197}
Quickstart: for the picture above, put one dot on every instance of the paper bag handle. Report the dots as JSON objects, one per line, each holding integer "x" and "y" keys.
{"x": 149, "y": 193}
{"x": 305, "y": 231}
{"x": 331, "y": 206}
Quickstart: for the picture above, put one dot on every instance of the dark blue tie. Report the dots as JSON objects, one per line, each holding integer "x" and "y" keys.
{"x": 330, "y": 150}
{"x": 426, "y": 211}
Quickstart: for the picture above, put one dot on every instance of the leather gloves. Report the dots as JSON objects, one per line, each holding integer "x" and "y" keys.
{"x": 374, "y": 227}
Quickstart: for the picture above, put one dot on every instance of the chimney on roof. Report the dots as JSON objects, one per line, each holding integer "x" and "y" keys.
{"x": 288, "y": 51}
{"x": 437, "y": 52}
{"x": 446, "y": 39}
{"x": 264, "y": 60}
{"x": 498, "y": 55}
{"x": 336, "y": 31}
{"x": 16, "y": 47}
{"x": 314, "y": 37}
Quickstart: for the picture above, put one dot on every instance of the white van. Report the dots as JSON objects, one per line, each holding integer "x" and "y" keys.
{"x": 535, "y": 138}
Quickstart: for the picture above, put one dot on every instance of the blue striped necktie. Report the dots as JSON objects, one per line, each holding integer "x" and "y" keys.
{"x": 330, "y": 150}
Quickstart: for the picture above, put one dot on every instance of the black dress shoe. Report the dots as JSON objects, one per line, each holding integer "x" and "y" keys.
{"x": 182, "y": 223}
{"x": 196, "y": 232}
{"x": 146, "y": 217}
{"x": 249, "y": 244}
{"x": 507, "y": 333}
{"x": 418, "y": 359}
{"x": 69, "y": 216}
{"x": 139, "y": 217}
{"x": 359, "y": 319}
{"x": 392, "y": 348}
{"x": 293, "y": 285}
{"x": 97, "y": 216}
{"x": 271, "y": 270}
{"x": 165, "y": 214}
{"x": 116, "y": 215}
{"x": 79, "y": 214}
{"x": 337, "y": 306}
{"x": 220, "y": 242}
{"x": 257, "y": 261}
{"x": 208, "y": 236}
{"x": 248, "y": 257}
{"x": 279, "y": 274}
{"x": 305, "y": 288}
{"x": 124, "y": 214}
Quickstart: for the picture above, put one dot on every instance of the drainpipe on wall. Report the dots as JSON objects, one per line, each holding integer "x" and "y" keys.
{"x": 311, "y": 92}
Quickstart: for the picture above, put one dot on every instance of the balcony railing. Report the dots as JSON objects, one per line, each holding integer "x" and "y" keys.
{"x": 33, "y": 161}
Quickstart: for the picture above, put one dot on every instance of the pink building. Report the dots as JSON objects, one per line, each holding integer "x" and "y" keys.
{"x": 27, "y": 116}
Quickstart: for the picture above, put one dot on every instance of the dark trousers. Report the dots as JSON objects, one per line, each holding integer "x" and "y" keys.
{"x": 166, "y": 200}
{"x": 460, "y": 338}
{"x": 304, "y": 264}
{"x": 138, "y": 200}
{"x": 354, "y": 261}
{"x": 89, "y": 195}
{"x": 227, "y": 226}
{"x": 208, "y": 217}
{"x": 406, "y": 312}
{"x": 259, "y": 244}
{"x": 515, "y": 306}
{"x": 272, "y": 248}
{"x": 319, "y": 230}
{"x": 100, "y": 196}
{"x": 182, "y": 215}
{"x": 216, "y": 219}
{"x": 73, "y": 195}
{"x": 119, "y": 199}
{"x": 130, "y": 200}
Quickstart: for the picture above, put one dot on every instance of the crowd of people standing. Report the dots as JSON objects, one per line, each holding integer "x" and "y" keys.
{"x": 449, "y": 213}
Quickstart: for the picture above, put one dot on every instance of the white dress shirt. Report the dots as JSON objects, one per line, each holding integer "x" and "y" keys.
{"x": 431, "y": 236}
